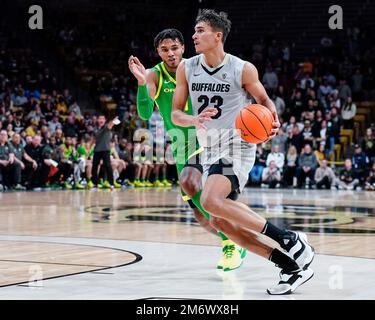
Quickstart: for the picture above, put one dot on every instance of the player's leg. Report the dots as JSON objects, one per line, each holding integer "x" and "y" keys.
{"x": 293, "y": 274}
{"x": 164, "y": 180}
{"x": 88, "y": 171}
{"x": 202, "y": 220}
{"x": 190, "y": 181}
{"x": 150, "y": 169}
{"x": 157, "y": 182}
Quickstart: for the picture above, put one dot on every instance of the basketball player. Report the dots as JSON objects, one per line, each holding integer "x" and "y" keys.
{"x": 217, "y": 84}
{"x": 157, "y": 85}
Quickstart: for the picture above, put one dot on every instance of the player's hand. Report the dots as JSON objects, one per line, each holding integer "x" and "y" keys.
{"x": 275, "y": 126}
{"x": 137, "y": 69}
{"x": 205, "y": 116}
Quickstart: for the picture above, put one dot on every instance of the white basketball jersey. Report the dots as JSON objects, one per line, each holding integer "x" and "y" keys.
{"x": 221, "y": 88}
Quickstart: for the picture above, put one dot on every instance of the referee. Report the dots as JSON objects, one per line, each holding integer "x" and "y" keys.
{"x": 103, "y": 136}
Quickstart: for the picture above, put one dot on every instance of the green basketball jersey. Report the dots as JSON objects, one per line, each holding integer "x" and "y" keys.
{"x": 183, "y": 138}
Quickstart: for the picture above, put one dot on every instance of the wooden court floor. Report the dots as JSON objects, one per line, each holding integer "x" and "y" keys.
{"x": 61, "y": 235}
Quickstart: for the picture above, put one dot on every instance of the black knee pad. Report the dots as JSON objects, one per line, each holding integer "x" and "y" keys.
{"x": 225, "y": 168}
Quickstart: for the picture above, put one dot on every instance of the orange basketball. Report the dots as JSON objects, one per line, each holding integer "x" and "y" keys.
{"x": 254, "y": 123}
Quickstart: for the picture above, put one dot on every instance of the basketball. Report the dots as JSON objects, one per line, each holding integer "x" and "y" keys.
{"x": 254, "y": 123}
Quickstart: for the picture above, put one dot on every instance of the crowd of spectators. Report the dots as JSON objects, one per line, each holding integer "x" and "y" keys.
{"x": 45, "y": 137}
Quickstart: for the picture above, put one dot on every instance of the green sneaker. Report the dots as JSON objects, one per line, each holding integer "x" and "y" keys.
{"x": 233, "y": 256}
{"x": 78, "y": 186}
{"x": 106, "y": 185}
{"x": 166, "y": 183}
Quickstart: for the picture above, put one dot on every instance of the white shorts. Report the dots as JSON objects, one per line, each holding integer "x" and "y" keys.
{"x": 241, "y": 154}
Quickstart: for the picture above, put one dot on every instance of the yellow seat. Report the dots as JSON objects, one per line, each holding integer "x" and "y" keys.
{"x": 337, "y": 150}
{"x": 344, "y": 140}
{"x": 360, "y": 119}
{"x": 347, "y": 133}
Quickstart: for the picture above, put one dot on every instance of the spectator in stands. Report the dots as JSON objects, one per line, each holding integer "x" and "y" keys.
{"x": 368, "y": 144}
{"x": 360, "y": 162}
{"x": 296, "y": 104}
{"x": 370, "y": 179}
{"x": 10, "y": 170}
{"x": 307, "y": 164}
{"x": 307, "y": 82}
{"x": 271, "y": 175}
{"x": 54, "y": 123}
{"x": 35, "y": 177}
{"x": 59, "y": 136}
{"x": 295, "y": 138}
{"x": 260, "y": 163}
{"x": 324, "y": 176}
{"x": 324, "y": 91}
{"x": 279, "y": 104}
{"x": 20, "y": 155}
{"x": 344, "y": 91}
{"x": 276, "y": 156}
{"x": 61, "y": 106}
{"x": 347, "y": 178}
{"x": 270, "y": 79}
{"x": 280, "y": 140}
{"x": 290, "y": 167}
{"x": 320, "y": 153}
{"x": 348, "y": 112}
{"x": 75, "y": 110}
{"x": 70, "y": 128}
{"x": 307, "y": 134}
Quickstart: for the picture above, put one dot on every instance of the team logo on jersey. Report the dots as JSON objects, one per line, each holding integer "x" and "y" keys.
{"x": 224, "y": 75}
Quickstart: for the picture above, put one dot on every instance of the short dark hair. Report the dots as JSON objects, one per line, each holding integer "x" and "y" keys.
{"x": 173, "y": 34}
{"x": 217, "y": 20}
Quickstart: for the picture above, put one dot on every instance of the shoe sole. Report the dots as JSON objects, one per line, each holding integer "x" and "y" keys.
{"x": 291, "y": 290}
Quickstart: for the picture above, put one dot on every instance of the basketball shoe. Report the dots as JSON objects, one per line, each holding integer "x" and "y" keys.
{"x": 233, "y": 256}
{"x": 299, "y": 249}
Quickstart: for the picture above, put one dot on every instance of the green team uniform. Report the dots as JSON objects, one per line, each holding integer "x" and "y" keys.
{"x": 184, "y": 142}
{"x": 82, "y": 151}
{"x": 69, "y": 153}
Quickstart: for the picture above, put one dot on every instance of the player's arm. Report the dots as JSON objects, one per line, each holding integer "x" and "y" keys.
{"x": 179, "y": 117}
{"x": 251, "y": 83}
{"x": 147, "y": 80}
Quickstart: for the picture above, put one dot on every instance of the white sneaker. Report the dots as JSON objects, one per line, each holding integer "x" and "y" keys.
{"x": 290, "y": 281}
{"x": 302, "y": 252}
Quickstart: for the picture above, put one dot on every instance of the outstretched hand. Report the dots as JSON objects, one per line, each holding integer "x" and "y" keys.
{"x": 137, "y": 69}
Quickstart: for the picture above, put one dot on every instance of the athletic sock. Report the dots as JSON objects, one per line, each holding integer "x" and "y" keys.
{"x": 196, "y": 201}
{"x": 282, "y": 261}
{"x": 286, "y": 239}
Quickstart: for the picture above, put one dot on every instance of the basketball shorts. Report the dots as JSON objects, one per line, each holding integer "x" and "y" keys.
{"x": 234, "y": 161}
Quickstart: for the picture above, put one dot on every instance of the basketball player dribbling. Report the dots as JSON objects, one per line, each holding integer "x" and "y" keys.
{"x": 217, "y": 84}
{"x": 157, "y": 85}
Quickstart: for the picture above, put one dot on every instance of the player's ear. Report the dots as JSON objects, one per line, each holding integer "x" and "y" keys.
{"x": 183, "y": 48}
{"x": 219, "y": 36}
